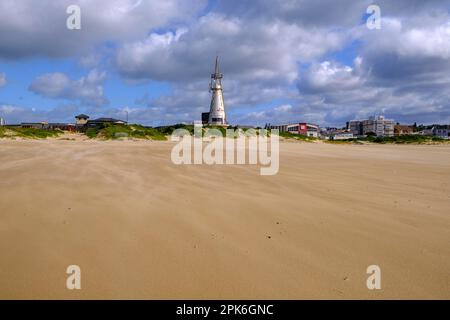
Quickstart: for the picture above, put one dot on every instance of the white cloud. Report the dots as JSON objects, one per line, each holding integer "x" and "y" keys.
{"x": 31, "y": 29}
{"x": 433, "y": 42}
{"x": 329, "y": 75}
{"x": 283, "y": 108}
{"x": 87, "y": 90}
{"x": 250, "y": 51}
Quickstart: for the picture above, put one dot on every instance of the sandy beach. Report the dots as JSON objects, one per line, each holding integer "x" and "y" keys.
{"x": 141, "y": 227}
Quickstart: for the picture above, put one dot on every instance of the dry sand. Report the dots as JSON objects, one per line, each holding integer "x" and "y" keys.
{"x": 141, "y": 227}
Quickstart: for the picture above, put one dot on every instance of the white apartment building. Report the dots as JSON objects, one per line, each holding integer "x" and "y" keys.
{"x": 378, "y": 125}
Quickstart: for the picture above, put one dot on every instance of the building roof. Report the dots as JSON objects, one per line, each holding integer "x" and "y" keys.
{"x": 441, "y": 126}
{"x": 106, "y": 120}
{"x": 82, "y": 116}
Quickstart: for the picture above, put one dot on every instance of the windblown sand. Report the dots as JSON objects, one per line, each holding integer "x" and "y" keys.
{"x": 142, "y": 227}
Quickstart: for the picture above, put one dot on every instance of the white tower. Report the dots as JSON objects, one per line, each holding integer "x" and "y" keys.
{"x": 217, "y": 109}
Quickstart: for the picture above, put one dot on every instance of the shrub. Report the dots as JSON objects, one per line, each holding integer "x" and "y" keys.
{"x": 168, "y": 130}
{"x": 404, "y": 139}
{"x": 117, "y": 131}
{"x": 301, "y": 137}
{"x": 34, "y": 133}
{"x": 92, "y": 132}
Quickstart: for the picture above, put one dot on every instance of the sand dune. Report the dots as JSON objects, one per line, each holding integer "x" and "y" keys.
{"x": 142, "y": 227}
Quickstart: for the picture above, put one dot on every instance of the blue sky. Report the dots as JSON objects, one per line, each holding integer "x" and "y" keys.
{"x": 22, "y": 73}
{"x": 283, "y": 61}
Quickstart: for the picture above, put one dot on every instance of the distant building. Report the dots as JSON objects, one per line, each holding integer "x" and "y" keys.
{"x": 355, "y": 127}
{"x": 328, "y": 130}
{"x": 81, "y": 119}
{"x": 344, "y": 135}
{"x": 35, "y": 125}
{"x": 62, "y": 126}
{"x": 205, "y": 117}
{"x": 104, "y": 121}
{"x": 378, "y": 126}
{"x": 2, "y": 122}
{"x": 48, "y": 126}
{"x": 83, "y": 122}
{"x": 400, "y": 130}
{"x": 308, "y": 129}
{"x": 303, "y": 128}
{"x": 426, "y": 132}
{"x": 441, "y": 131}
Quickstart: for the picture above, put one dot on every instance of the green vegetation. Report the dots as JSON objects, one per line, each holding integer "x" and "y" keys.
{"x": 404, "y": 139}
{"x": 92, "y": 132}
{"x": 125, "y": 131}
{"x": 30, "y": 133}
{"x": 222, "y": 130}
{"x": 168, "y": 130}
{"x": 301, "y": 137}
{"x": 190, "y": 128}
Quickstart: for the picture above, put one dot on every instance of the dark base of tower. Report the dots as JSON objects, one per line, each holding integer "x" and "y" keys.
{"x": 218, "y": 122}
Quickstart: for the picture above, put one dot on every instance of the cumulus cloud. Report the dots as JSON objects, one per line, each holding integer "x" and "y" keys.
{"x": 403, "y": 55}
{"x": 331, "y": 76}
{"x": 87, "y": 90}
{"x": 325, "y": 13}
{"x": 251, "y": 51}
{"x": 29, "y": 29}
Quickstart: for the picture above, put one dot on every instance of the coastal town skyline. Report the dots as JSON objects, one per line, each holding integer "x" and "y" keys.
{"x": 151, "y": 61}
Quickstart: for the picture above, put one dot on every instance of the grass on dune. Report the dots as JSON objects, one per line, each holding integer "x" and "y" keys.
{"x": 405, "y": 139}
{"x": 30, "y": 133}
{"x": 418, "y": 139}
{"x": 288, "y": 135}
{"x": 125, "y": 131}
{"x": 169, "y": 130}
